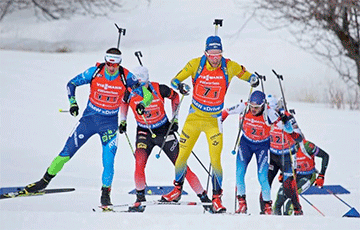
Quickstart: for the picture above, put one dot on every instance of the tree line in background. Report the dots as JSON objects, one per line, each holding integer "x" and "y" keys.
{"x": 329, "y": 29}
{"x": 58, "y": 9}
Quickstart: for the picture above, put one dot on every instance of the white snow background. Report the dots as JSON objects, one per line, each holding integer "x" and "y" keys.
{"x": 168, "y": 33}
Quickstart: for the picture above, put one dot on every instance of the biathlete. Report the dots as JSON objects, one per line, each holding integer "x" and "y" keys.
{"x": 211, "y": 75}
{"x": 282, "y": 155}
{"x": 255, "y": 139}
{"x": 157, "y": 121}
{"x": 305, "y": 174}
{"x": 108, "y": 83}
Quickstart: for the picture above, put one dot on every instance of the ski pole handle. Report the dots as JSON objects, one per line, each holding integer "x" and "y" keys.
{"x": 217, "y": 23}
{"x": 280, "y": 78}
{"x": 138, "y": 55}
{"x": 121, "y": 32}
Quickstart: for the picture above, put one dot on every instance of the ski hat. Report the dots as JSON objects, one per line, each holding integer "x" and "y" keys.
{"x": 113, "y": 55}
{"x": 142, "y": 74}
{"x": 272, "y": 101}
{"x": 213, "y": 43}
{"x": 257, "y": 98}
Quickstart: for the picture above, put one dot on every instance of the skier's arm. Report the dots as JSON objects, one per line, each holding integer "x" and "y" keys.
{"x": 187, "y": 71}
{"x": 166, "y": 91}
{"x": 237, "y": 109}
{"x": 80, "y": 79}
{"x": 325, "y": 160}
{"x": 240, "y": 72}
{"x": 124, "y": 108}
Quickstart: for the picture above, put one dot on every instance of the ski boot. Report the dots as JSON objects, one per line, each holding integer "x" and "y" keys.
{"x": 298, "y": 212}
{"x": 39, "y": 185}
{"x": 289, "y": 208}
{"x": 242, "y": 204}
{"x": 268, "y": 208}
{"x": 205, "y": 199}
{"x": 174, "y": 195}
{"x": 105, "y": 199}
{"x": 217, "y": 206}
{"x": 140, "y": 197}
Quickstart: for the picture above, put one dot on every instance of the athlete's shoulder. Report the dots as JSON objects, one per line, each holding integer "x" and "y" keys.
{"x": 309, "y": 146}
{"x": 90, "y": 71}
{"x": 232, "y": 64}
{"x": 193, "y": 63}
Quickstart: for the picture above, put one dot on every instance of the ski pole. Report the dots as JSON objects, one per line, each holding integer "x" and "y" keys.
{"x": 197, "y": 159}
{"x": 217, "y": 23}
{"x": 121, "y": 32}
{"x": 132, "y": 149}
{"x": 208, "y": 179}
{"x": 138, "y": 55}
{"x": 262, "y": 78}
{"x": 329, "y": 191}
{"x": 233, "y": 152}
{"x": 171, "y": 124}
{"x": 312, "y": 205}
{"x": 153, "y": 135}
{"x": 280, "y": 78}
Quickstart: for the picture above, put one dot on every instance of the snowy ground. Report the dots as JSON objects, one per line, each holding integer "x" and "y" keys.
{"x": 33, "y": 132}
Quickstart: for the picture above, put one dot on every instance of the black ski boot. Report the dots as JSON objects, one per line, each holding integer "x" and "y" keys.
{"x": 140, "y": 197}
{"x": 39, "y": 185}
{"x": 105, "y": 197}
{"x": 205, "y": 199}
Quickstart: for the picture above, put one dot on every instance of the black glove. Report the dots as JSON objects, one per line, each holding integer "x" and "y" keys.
{"x": 184, "y": 89}
{"x": 122, "y": 127}
{"x": 285, "y": 118}
{"x": 254, "y": 81}
{"x": 74, "y": 109}
{"x": 140, "y": 108}
{"x": 175, "y": 126}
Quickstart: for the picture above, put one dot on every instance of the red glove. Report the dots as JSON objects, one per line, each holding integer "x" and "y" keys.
{"x": 224, "y": 115}
{"x": 319, "y": 181}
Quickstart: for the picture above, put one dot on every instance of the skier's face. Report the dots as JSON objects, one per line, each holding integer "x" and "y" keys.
{"x": 214, "y": 57}
{"x": 112, "y": 67}
{"x": 255, "y": 109}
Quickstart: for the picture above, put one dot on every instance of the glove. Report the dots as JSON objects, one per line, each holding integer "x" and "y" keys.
{"x": 284, "y": 118}
{"x": 184, "y": 89}
{"x": 74, "y": 109}
{"x": 281, "y": 178}
{"x": 224, "y": 115}
{"x": 140, "y": 108}
{"x": 175, "y": 126}
{"x": 254, "y": 81}
{"x": 122, "y": 127}
{"x": 319, "y": 182}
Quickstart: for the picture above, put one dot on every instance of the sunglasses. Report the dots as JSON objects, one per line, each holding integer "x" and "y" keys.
{"x": 256, "y": 106}
{"x": 218, "y": 55}
{"x": 112, "y": 64}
